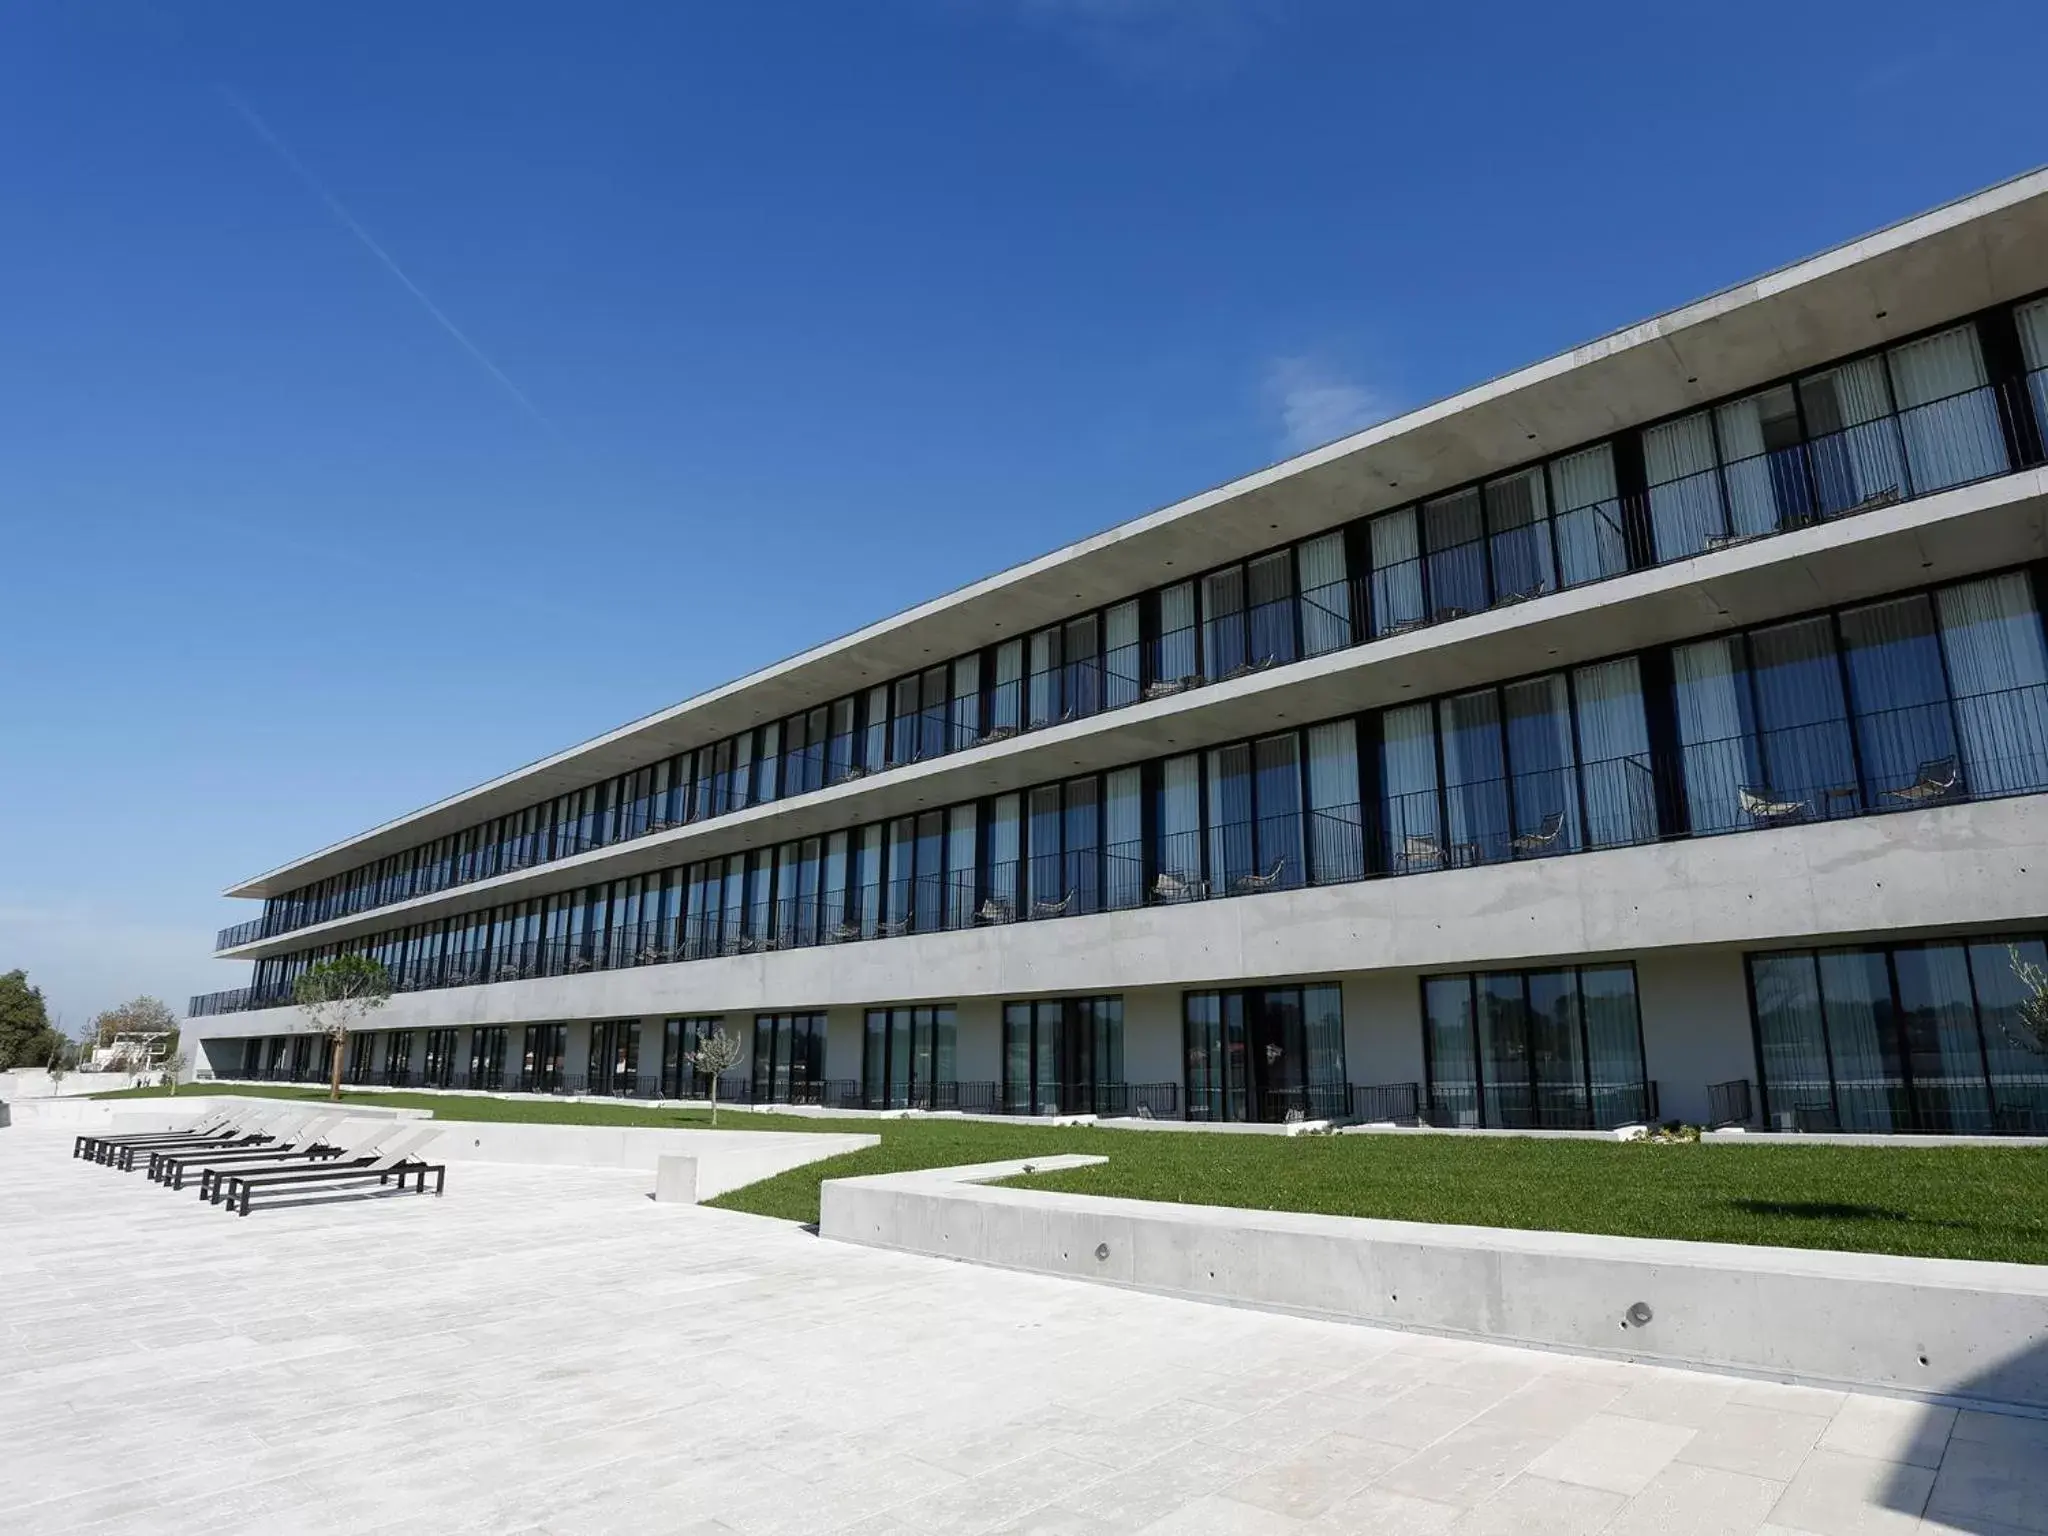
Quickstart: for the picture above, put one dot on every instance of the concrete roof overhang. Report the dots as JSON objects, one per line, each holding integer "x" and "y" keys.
{"x": 1965, "y": 256}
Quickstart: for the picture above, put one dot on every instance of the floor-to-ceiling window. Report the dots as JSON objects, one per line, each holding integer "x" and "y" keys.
{"x": 438, "y": 1067}
{"x": 789, "y": 1057}
{"x": 1063, "y": 1056}
{"x": 614, "y": 1063}
{"x": 1265, "y": 1053}
{"x": 542, "y": 1050}
{"x": 680, "y": 1038}
{"x": 908, "y": 1057}
{"x": 398, "y": 1068}
{"x": 1906, "y": 1037}
{"x": 1556, "y": 1048}
{"x": 362, "y": 1047}
{"x": 487, "y": 1057}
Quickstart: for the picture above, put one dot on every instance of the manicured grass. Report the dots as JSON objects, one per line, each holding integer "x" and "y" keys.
{"x": 1942, "y": 1202}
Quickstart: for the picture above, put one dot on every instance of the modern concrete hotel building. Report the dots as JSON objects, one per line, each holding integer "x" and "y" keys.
{"x": 1660, "y": 730}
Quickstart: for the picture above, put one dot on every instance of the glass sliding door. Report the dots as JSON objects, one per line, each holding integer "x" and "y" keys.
{"x": 1043, "y": 692}
{"x": 1411, "y": 815}
{"x": 1454, "y": 542}
{"x": 1063, "y": 1056}
{"x": 1004, "y": 856}
{"x": 1082, "y": 845}
{"x": 1614, "y": 742}
{"x": 1271, "y": 579}
{"x": 1277, "y": 861}
{"x": 1544, "y": 782}
{"x": 1991, "y": 641}
{"x": 1123, "y": 838}
{"x": 1684, "y": 485}
{"x": 1898, "y": 695}
{"x": 1397, "y": 601}
{"x": 1518, "y": 536}
{"x": 1325, "y": 595}
{"x": 962, "y": 877}
{"x": 2017, "y": 1077}
{"x": 1555, "y": 1048}
{"x": 1854, "y": 445}
{"x": 1475, "y": 777}
{"x": 1231, "y": 850}
{"x": 1947, "y": 416}
{"x": 1123, "y": 664}
{"x": 1081, "y": 645}
{"x": 1763, "y": 461}
{"x": 1045, "y": 870}
{"x": 966, "y": 702}
{"x": 1266, "y": 1054}
{"x": 1591, "y": 541}
{"x": 2032, "y": 320}
{"x": 1006, "y": 699}
{"x": 1336, "y": 833}
{"x": 1178, "y": 640}
{"x": 928, "y": 905}
{"x": 1179, "y": 855}
{"x": 1717, "y": 735}
{"x": 1223, "y": 623}
{"x": 1808, "y": 761}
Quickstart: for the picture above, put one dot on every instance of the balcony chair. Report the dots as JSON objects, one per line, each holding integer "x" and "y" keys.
{"x": 995, "y": 910}
{"x": 892, "y": 928}
{"x": 1761, "y": 805}
{"x": 1535, "y": 589}
{"x": 1041, "y": 909}
{"x": 1421, "y": 850}
{"x": 1167, "y": 687}
{"x": 1169, "y": 886}
{"x": 994, "y": 734}
{"x": 1543, "y": 838}
{"x": 1933, "y": 781}
{"x": 842, "y": 933}
{"x": 1261, "y": 882}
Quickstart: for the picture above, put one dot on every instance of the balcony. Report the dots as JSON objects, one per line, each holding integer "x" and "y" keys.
{"x": 1455, "y": 565}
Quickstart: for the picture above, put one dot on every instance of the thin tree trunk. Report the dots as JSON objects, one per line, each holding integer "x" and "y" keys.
{"x": 334, "y": 1081}
{"x": 714, "y": 1102}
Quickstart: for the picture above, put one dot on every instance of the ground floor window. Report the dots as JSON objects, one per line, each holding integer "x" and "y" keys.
{"x": 487, "y": 1058}
{"x": 305, "y": 1065}
{"x": 439, "y": 1071}
{"x": 1265, "y": 1053}
{"x": 362, "y": 1049}
{"x": 680, "y": 1078}
{"x": 1063, "y": 1056}
{"x": 540, "y": 1063}
{"x": 907, "y": 1057}
{"x": 614, "y": 1056}
{"x": 1903, "y": 1037}
{"x": 398, "y": 1058}
{"x": 789, "y": 1057}
{"x": 1553, "y": 1049}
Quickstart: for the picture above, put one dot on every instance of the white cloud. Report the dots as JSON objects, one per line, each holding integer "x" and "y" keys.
{"x": 1316, "y": 405}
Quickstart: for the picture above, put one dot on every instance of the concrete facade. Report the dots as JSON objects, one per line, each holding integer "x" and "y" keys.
{"x": 1687, "y": 903}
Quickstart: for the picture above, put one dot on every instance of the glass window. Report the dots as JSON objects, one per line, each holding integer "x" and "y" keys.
{"x": 1947, "y": 417}
{"x": 1045, "y": 871}
{"x": 1554, "y": 1048}
{"x": 1518, "y": 536}
{"x": 1855, "y": 445}
{"x": 1083, "y": 845}
{"x": 903, "y": 737}
{"x": 1455, "y": 555}
{"x": 1044, "y": 691}
{"x": 1082, "y": 678}
{"x": 1122, "y": 677}
{"x": 1475, "y": 777}
{"x": 934, "y": 736}
{"x": 1177, "y": 638}
{"x": 1802, "y": 724}
{"x": 1899, "y": 696}
{"x": 966, "y": 701}
{"x": 1685, "y": 490}
{"x": 1991, "y": 640}
{"x": 1123, "y": 837}
{"x": 1179, "y": 857}
{"x": 1007, "y": 701}
{"x": 1276, "y": 829}
{"x": 1325, "y": 595}
{"x": 1614, "y": 736}
{"x": 1763, "y": 463}
{"x": 1230, "y": 815}
{"x": 1336, "y": 836}
{"x": 1223, "y": 622}
{"x": 1545, "y": 794}
{"x": 1271, "y": 579}
{"x": 1410, "y": 812}
{"x": 1397, "y": 602}
{"x": 960, "y": 866}
{"x": 1591, "y": 540}
{"x": 1004, "y": 855}
{"x": 876, "y": 753}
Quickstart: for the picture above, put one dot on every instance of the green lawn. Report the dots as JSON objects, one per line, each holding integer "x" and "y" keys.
{"x": 1946, "y": 1202}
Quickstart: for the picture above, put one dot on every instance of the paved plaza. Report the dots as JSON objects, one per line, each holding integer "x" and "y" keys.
{"x": 550, "y": 1351}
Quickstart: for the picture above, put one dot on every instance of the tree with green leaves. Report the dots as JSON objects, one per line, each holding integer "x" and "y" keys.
{"x": 138, "y": 1016}
{"x": 2030, "y": 1030}
{"x": 338, "y": 995}
{"x": 26, "y": 1037}
{"x": 716, "y": 1052}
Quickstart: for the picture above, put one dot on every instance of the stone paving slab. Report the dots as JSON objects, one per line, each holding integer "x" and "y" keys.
{"x": 550, "y": 1353}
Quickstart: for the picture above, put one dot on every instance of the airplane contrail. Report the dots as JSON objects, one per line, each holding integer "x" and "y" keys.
{"x": 263, "y": 131}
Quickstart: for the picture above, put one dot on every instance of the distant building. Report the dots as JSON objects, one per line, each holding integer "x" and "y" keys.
{"x": 1659, "y": 730}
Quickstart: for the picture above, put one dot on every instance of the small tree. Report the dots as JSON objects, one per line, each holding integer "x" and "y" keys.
{"x": 716, "y": 1053}
{"x": 174, "y": 1068}
{"x": 2032, "y": 1034}
{"x": 337, "y": 996}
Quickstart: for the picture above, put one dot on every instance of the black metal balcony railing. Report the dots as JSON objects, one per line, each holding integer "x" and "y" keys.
{"x": 1457, "y": 570}
{"x": 1731, "y": 1103}
{"x": 1980, "y": 747}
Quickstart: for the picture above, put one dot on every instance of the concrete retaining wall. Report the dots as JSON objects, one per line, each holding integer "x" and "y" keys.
{"x": 1919, "y": 1327}
{"x": 726, "y": 1159}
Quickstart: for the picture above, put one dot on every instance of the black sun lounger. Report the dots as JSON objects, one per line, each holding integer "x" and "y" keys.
{"x": 213, "y": 1176}
{"x": 168, "y": 1165}
{"x": 396, "y": 1159}
{"x": 257, "y": 1133}
{"x": 84, "y": 1144}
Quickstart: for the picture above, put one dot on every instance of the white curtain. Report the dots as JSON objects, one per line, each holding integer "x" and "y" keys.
{"x": 1714, "y": 731}
{"x": 1948, "y": 417}
{"x": 1759, "y": 497}
{"x": 2033, "y": 324}
{"x": 1124, "y": 835}
{"x": 1180, "y": 818}
{"x": 1325, "y": 596}
{"x": 1997, "y": 666}
{"x": 1855, "y": 451}
{"x": 1589, "y": 533}
{"x": 1396, "y": 572}
{"x": 960, "y": 881}
{"x": 1002, "y": 849}
{"x": 1336, "y": 837}
{"x": 1408, "y": 794}
{"x": 1685, "y": 493}
{"x": 1537, "y": 718}
{"x": 1517, "y": 523}
{"x": 1121, "y": 682}
{"x": 1177, "y": 632}
{"x": 1614, "y": 746}
{"x": 1009, "y": 684}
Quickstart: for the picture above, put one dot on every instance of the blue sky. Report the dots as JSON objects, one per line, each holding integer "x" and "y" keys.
{"x": 396, "y": 393}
